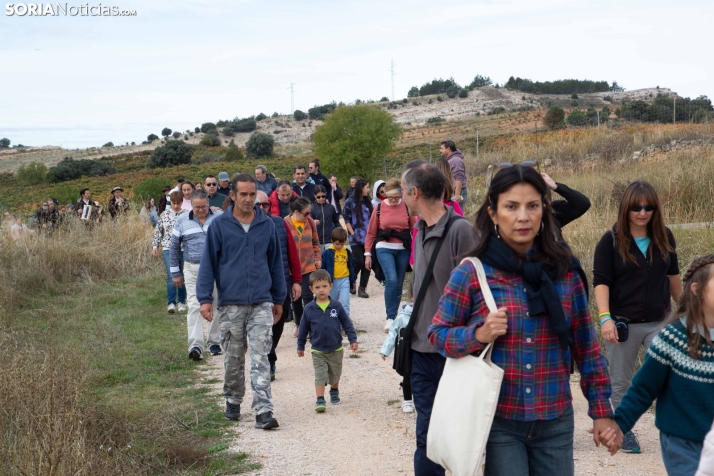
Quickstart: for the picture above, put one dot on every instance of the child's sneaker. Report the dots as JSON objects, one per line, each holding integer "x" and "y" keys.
{"x": 335, "y": 396}
{"x": 408, "y": 406}
{"x": 320, "y": 405}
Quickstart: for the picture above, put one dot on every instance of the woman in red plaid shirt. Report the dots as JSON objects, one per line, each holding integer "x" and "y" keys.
{"x": 542, "y": 321}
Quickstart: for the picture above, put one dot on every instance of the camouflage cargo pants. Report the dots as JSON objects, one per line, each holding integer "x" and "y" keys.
{"x": 242, "y": 326}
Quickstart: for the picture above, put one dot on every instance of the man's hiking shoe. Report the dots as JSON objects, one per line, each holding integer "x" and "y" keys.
{"x": 182, "y": 308}
{"x": 362, "y": 293}
{"x": 171, "y": 308}
{"x": 232, "y": 411}
{"x": 195, "y": 354}
{"x": 408, "y": 406}
{"x": 335, "y": 396}
{"x": 630, "y": 444}
{"x": 272, "y": 373}
{"x": 265, "y": 421}
{"x": 353, "y": 289}
{"x": 215, "y": 349}
{"x": 320, "y": 405}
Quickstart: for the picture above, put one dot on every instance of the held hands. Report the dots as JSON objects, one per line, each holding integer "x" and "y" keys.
{"x": 609, "y": 331}
{"x": 206, "y": 311}
{"x": 494, "y": 326}
{"x": 606, "y": 432}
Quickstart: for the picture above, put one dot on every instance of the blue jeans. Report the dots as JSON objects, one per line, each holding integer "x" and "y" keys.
{"x": 464, "y": 195}
{"x": 425, "y": 376}
{"x": 170, "y": 286}
{"x": 341, "y": 292}
{"x": 531, "y": 448}
{"x": 394, "y": 264}
{"x": 680, "y": 456}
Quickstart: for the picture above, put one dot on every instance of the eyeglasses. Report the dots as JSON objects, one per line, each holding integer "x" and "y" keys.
{"x": 211, "y": 184}
{"x": 304, "y": 213}
{"x": 264, "y": 204}
{"x": 394, "y": 197}
{"x": 639, "y": 208}
{"x": 507, "y": 165}
{"x": 320, "y": 196}
{"x": 197, "y": 207}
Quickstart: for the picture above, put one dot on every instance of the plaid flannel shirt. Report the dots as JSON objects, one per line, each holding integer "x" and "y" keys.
{"x": 536, "y": 380}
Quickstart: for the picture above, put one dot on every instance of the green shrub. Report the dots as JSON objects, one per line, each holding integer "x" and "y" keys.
{"x": 480, "y": 81}
{"x": 151, "y": 137}
{"x": 554, "y": 118}
{"x": 497, "y": 110}
{"x": 452, "y": 92}
{"x": 207, "y": 127}
{"x": 4, "y": 143}
{"x": 197, "y": 130}
{"x": 34, "y": 173}
{"x": 260, "y": 144}
{"x": 210, "y": 140}
{"x": 207, "y": 157}
{"x": 166, "y": 132}
{"x": 438, "y": 86}
{"x": 176, "y": 135}
{"x": 150, "y": 187}
{"x": 435, "y": 120}
{"x": 299, "y": 115}
{"x": 384, "y": 98}
{"x": 413, "y": 92}
{"x": 404, "y": 101}
{"x": 66, "y": 193}
{"x": 319, "y": 112}
{"x": 233, "y": 153}
{"x": 463, "y": 93}
{"x": 70, "y": 169}
{"x": 173, "y": 153}
{"x": 574, "y": 96}
{"x": 260, "y": 117}
{"x": 607, "y": 98}
{"x": 240, "y": 125}
{"x": 439, "y": 98}
{"x": 109, "y": 144}
{"x": 275, "y": 114}
{"x": 577, "y": 118}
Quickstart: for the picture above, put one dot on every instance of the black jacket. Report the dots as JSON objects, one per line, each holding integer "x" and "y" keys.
{"x": 329, "y": 220}
{"x": 320, "y": 179}
{"x": 573, "y": 207}
{"x": 308, "y": 191}
{"x": 639, "y": 292}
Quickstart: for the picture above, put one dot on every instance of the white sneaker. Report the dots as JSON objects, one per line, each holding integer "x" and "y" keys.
{"x": 171, "y": 308}
{"x": 388, "y": 325}
{"x": 182, "y": 308}
{"x": 408, "y": 406}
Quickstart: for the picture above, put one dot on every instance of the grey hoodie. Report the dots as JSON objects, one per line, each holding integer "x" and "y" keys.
{"x": 458, "y": 167}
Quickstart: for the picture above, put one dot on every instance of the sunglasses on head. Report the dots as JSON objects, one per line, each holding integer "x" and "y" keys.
{"x": 507, "y": 165}
{"x": 639, "y": 208}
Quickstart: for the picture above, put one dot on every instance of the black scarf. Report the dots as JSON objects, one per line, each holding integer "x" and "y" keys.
{"x": 542, "y": 295}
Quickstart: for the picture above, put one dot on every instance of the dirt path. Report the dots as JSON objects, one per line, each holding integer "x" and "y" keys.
{"x": 368, "y": 434}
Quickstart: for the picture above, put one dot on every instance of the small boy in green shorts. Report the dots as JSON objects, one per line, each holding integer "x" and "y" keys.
{"x": 323, "y": 320}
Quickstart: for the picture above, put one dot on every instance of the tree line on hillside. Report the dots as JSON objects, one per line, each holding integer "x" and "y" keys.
{"x": 664, "y": 109}
{"x": 561, "y": 86}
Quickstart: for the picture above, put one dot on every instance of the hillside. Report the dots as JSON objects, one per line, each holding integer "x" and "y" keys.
{"x": 461, "y": 117}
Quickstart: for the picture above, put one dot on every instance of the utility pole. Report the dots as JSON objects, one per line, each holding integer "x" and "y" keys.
{"x": 393, "y": 73}
{"x": 674, "y": 110}
{"x": 292, "y": 98}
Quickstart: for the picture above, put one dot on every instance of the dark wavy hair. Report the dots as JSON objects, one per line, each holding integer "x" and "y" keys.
{"x": 359, "y": 200}
{"x": 550, "y": 250}
{"x": 637, "y": 192}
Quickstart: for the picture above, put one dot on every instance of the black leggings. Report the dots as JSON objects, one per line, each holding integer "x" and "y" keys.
{"x": 406, "y": 388}
{"x": 278, "y": 330}
{"x": 307, "y": 296}
{"x": 358, "y": 255}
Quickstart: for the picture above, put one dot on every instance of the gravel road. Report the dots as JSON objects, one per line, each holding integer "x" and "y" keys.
{"x": 368, "y": 434}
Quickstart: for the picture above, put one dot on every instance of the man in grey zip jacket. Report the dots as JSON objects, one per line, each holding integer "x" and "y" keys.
{"x": 242, "y": 256}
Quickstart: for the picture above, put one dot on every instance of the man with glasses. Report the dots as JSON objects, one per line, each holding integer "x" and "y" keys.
{"x": 455, "y": 158}
{"x": 265, "y": 182}
{"x": 317, "y": 177}
{"x": 215, "y": 199}
{"x": 190, "y": 233}
{"x": 301, "y": 186}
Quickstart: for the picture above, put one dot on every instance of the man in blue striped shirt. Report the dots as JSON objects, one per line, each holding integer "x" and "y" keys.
{"x": 190, "y": 232}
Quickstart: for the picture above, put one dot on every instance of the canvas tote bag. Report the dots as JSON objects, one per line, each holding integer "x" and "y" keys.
{"x": 465, "y": 405}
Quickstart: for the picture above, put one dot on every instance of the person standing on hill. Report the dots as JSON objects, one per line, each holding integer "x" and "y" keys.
{"x": 301, "y": 186}
{"x": 85, "y": 198}
{"x": 265, "y": 182}
{"x": 118, "y": 205}
{"x": 455, "y": 157}
{"x": 316, "y": 175}
{"x": 215, "y": 199}
{"x": 189, "y": 234}
{"x": 242, "y": 257}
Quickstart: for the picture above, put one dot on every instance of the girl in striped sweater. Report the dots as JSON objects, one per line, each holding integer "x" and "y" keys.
{"x": 678, "y": 372}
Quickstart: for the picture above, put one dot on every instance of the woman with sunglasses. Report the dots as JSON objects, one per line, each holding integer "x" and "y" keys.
{"x": 636, "y": 271}
{"x": 357, "y": 212}
{"x": 304, "y": 232}
{"x": 542, "y": 323}
{"x": 325, "y": 216}
{"x": 389, "y": 237}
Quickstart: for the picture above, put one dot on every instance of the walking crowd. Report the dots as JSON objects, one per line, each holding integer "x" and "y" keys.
{"x": 253, "y": 253}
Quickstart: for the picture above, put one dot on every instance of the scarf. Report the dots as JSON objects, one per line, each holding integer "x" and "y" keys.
{"x": 542, "y": 295}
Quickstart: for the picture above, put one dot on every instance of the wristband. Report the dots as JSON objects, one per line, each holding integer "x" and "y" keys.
{"x": 608, "y": 318}
{"x": 603, "y": 314}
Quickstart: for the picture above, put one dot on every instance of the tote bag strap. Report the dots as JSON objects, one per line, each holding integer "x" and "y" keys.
{"x": 487, "y": 296}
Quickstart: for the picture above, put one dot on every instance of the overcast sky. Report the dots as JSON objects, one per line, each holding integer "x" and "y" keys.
{"x": 83, "y": 81}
